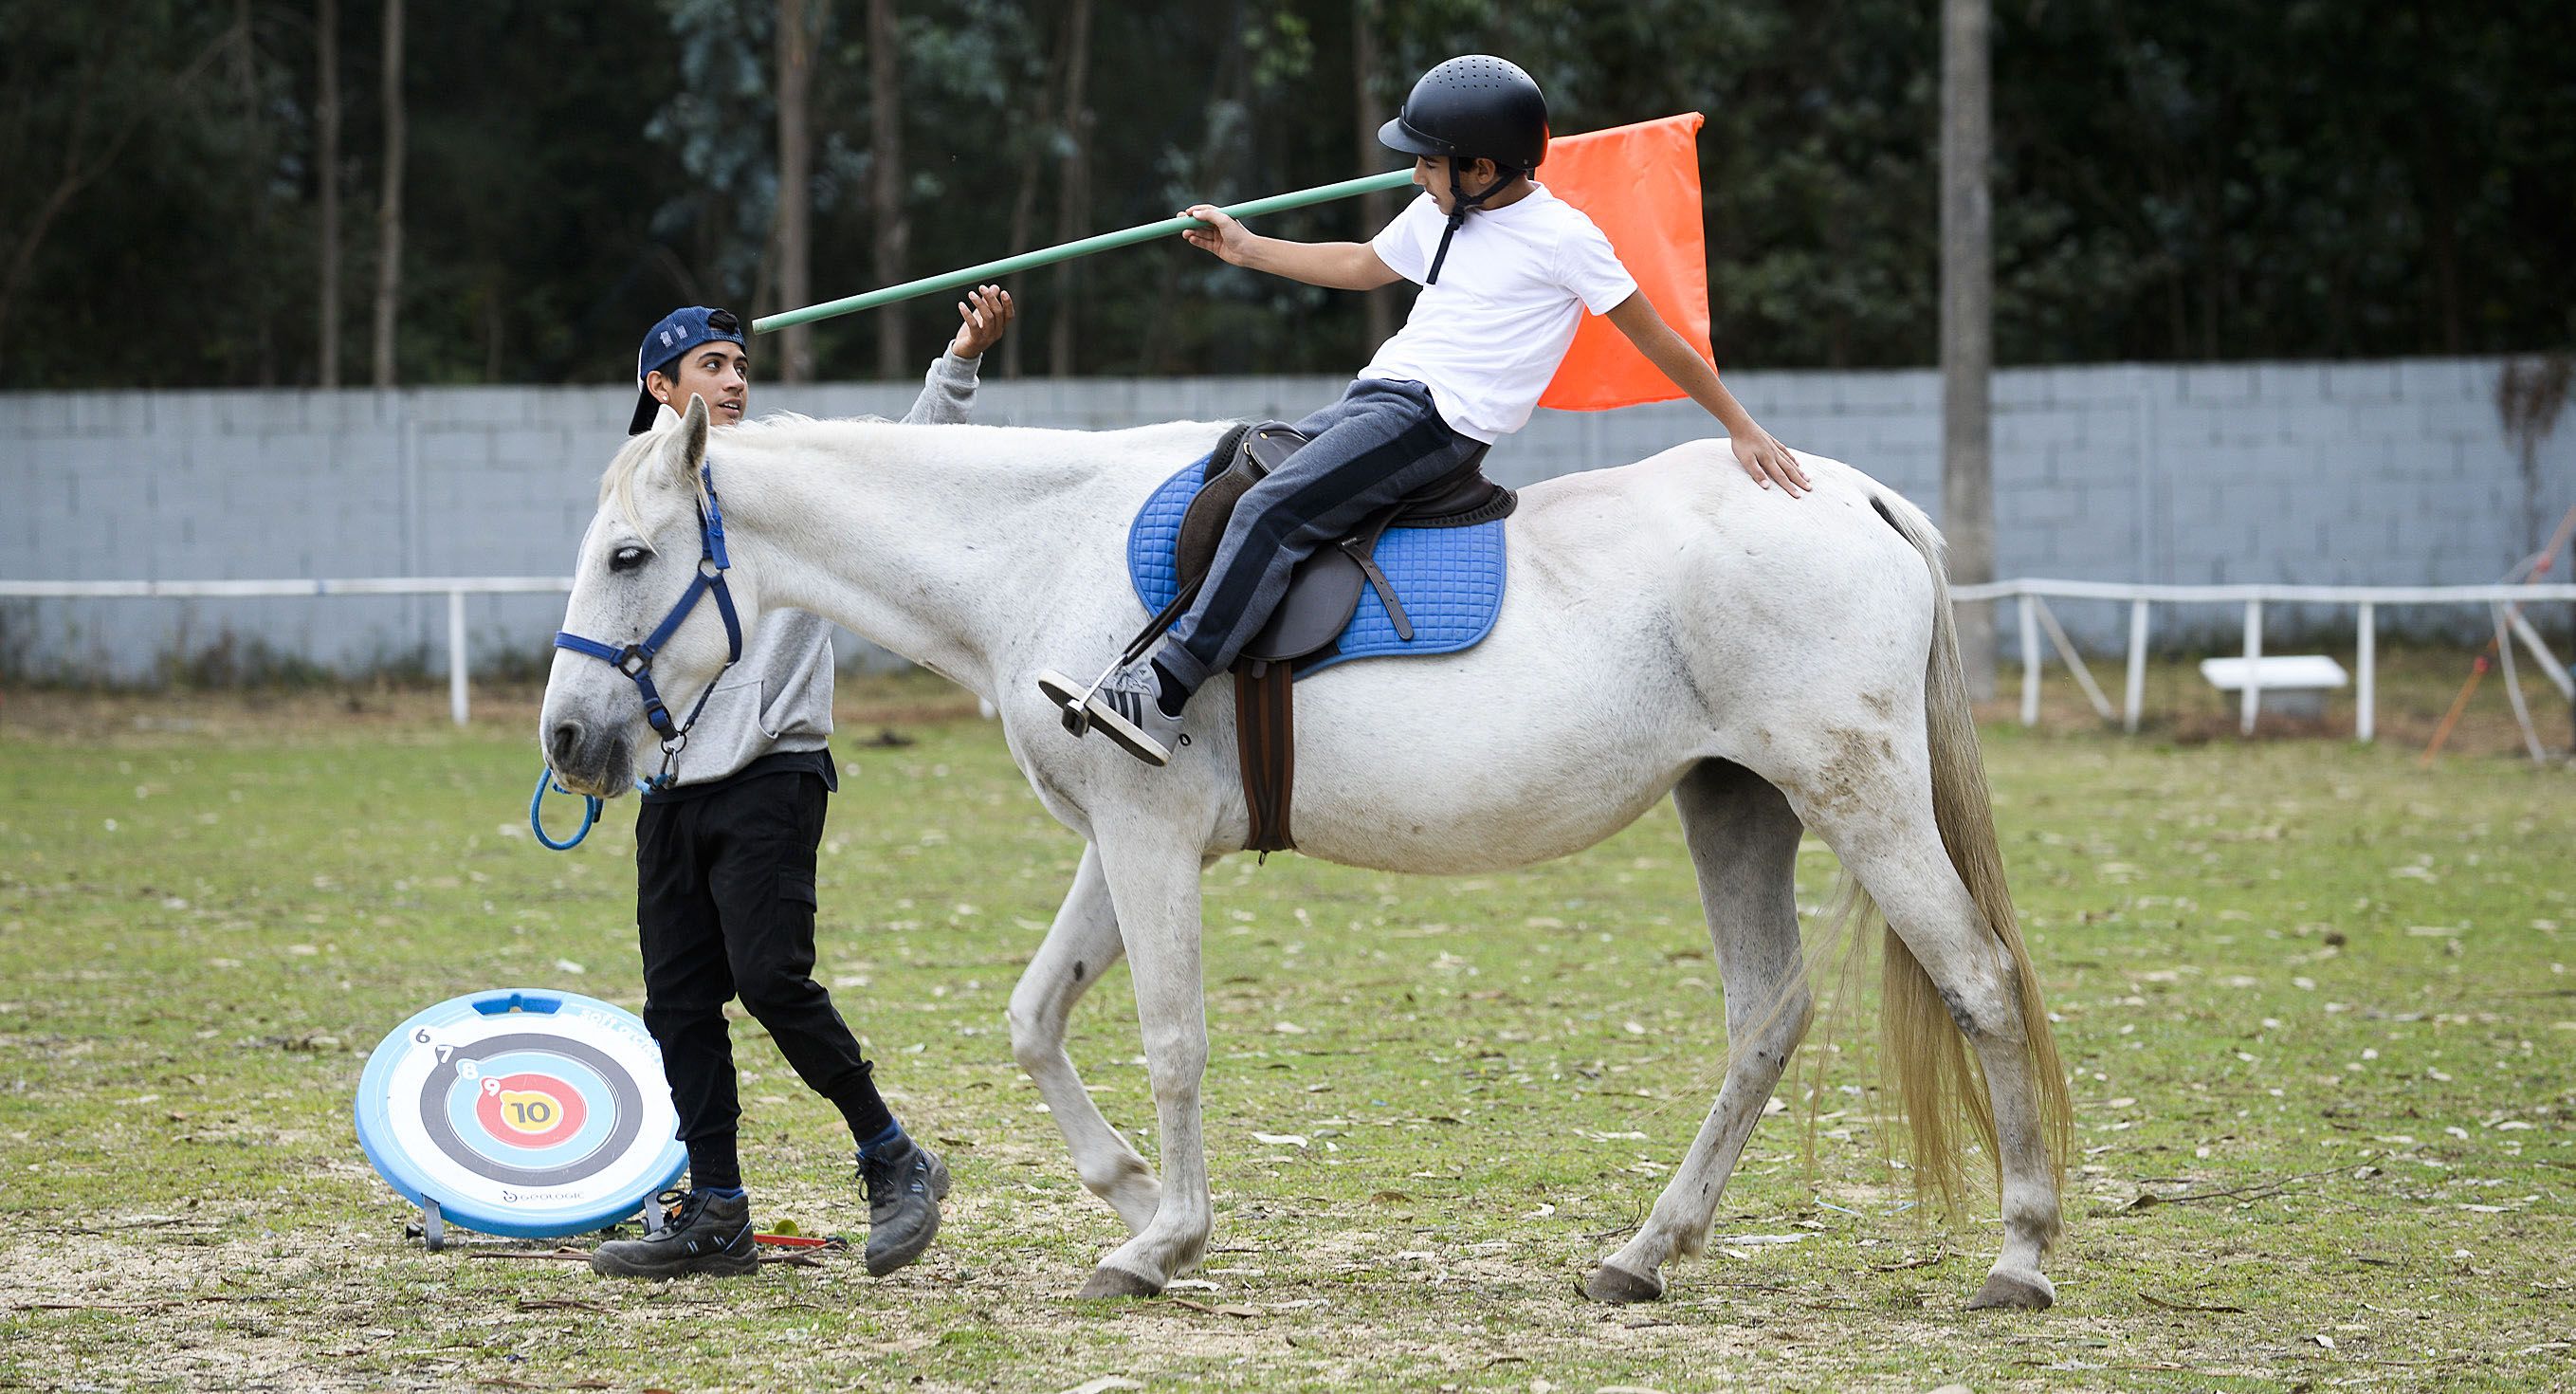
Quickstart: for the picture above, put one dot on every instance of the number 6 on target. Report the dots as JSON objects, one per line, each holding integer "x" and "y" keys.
{"x": 527, "y": 1113}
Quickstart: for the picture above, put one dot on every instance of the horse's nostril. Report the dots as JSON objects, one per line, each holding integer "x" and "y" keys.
{"x": 567, "y": 739}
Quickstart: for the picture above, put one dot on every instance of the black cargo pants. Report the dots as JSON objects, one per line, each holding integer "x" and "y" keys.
{"x": 724, "y": 907}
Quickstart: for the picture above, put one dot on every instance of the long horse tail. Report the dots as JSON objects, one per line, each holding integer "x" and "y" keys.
{"x": 1923, "y": 1055}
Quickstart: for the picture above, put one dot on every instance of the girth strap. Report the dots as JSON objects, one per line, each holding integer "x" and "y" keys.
{"x": 1265, "y": 741}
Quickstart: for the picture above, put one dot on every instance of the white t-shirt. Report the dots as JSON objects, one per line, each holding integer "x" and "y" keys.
{"x": 1489, "y": 336}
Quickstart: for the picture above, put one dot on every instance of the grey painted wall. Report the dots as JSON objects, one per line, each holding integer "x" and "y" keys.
{"x": 2363, "y": 473}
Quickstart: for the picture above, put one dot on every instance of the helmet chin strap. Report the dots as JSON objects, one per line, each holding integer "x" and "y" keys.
{"x": 1462, "y": 204}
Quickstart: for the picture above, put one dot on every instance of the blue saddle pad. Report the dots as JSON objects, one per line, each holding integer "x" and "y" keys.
{"x": 1450, "y": 580}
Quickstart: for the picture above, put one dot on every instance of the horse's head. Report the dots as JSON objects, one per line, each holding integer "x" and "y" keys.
{"x": 644, "y": 569}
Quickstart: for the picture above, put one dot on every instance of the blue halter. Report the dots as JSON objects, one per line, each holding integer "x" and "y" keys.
{"x": 636, "y": 660}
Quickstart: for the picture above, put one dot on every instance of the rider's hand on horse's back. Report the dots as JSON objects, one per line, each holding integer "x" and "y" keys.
{"x": 1224, "y": 236}
{"x": 1769, "y": 462}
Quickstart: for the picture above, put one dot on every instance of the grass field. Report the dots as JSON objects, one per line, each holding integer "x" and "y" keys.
{"x": 2317, "y": 1000}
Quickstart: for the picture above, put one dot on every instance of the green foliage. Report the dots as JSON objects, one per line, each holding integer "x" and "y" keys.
{"x": 2183, "y": 180}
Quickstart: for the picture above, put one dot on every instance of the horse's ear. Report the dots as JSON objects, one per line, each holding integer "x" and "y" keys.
{"x": 693, "y": 437}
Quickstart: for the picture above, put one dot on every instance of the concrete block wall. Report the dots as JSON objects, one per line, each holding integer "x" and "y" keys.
{"x": 2359, "y": 473}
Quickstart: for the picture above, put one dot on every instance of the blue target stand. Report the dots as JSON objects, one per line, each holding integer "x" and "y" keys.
{"x": 523, "y": 1113}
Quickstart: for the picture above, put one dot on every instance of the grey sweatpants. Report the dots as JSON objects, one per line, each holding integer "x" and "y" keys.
{"x": 1381, "y": 441}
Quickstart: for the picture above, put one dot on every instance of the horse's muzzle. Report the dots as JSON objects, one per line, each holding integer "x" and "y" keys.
{"x": 588, "y": 761}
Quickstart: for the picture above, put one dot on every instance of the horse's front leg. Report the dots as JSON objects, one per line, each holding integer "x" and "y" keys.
{"x": 1080, "y": 946}
{"x": 1154, "y": 880}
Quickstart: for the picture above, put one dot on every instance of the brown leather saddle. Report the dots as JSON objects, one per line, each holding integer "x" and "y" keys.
{"x": 1323, "y": 593}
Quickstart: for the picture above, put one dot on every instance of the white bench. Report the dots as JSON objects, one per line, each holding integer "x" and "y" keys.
{"x": 2297, "y": 684}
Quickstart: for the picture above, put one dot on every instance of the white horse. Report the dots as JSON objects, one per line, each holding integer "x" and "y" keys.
{"x": 1773, "y": 663}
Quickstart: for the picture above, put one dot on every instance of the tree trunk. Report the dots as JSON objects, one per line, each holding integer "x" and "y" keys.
{"x": 1368, "y": 104}
{"x": 389, "y": 207}
{"x": 1073, "y": 183}
{"x": 797, "y": 28}
{"x": 258, "y": 163}
{"x": 326, "y": 121}
{"x": 1967, "y": 329}
{"x": 495, "y": 329}
{"x": 1024, "y": 203}
{"x": 1224, "y": 131}
{"x": 886, "y": 181}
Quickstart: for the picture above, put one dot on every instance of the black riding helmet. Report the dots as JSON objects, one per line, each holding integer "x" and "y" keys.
{"x": 1472, "y": 107}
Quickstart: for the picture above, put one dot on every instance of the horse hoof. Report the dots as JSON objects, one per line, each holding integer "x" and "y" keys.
{"x": 2031, "y": 1294}
{"x": 1619, "y": 1285}
{"x": 1107, "y": 1281}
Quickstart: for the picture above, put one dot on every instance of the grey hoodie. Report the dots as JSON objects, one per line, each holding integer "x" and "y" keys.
{"x": 778, "y": 700}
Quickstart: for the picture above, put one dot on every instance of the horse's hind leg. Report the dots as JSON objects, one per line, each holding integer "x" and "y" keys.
{"x": 1081, "y": 945}
{"x": 1894, "y": 847}
{"x": 1744, "y": 844}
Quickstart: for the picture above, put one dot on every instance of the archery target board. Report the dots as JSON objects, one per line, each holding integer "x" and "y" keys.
{"x": 522, "y": 1113}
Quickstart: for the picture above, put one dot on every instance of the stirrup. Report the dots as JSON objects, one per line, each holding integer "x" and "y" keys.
{"x": 1077, "y": 710}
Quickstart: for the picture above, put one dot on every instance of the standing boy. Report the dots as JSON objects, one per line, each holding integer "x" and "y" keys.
{"x": 724, "y": 863}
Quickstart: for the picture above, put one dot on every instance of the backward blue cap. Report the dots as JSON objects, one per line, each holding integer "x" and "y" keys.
{"x": 680, "y": 331}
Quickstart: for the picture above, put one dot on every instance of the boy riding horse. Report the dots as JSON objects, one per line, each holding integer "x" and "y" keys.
{"x": 1503, "y": 290}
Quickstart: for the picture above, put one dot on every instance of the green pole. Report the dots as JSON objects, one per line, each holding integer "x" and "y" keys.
{"x": 1047, "y": 256}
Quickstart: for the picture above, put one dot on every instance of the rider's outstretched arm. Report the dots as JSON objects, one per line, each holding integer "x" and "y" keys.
{"x": 1763, "y": 457}
{"x": 1333, "y": 265}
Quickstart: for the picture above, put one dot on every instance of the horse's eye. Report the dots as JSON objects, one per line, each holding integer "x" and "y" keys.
{"x": 627, "y": 558}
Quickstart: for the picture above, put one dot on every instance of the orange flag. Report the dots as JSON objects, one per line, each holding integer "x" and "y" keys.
{"x": 1640, "y": 185}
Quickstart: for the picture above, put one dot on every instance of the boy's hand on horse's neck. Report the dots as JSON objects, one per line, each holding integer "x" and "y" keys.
{"x": 1763, "y": 457}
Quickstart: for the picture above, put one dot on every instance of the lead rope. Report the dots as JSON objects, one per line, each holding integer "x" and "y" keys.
{"x": 537, "y": 816}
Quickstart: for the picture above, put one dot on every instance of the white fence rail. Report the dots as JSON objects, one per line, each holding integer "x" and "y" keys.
{"x": 455, "y": 588}
{"x": 2031, "y": 598}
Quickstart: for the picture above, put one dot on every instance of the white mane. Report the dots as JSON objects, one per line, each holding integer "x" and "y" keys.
{"x": 1090, "y": 449}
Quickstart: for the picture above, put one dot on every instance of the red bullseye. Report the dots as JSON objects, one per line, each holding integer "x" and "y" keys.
{"x": 529, "y": 1110}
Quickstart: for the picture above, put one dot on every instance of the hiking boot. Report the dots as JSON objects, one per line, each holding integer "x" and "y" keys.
{"x": 701, "y": 1233}
{"x": 904, "y": 1188}
{"x": 1125, "y": 708}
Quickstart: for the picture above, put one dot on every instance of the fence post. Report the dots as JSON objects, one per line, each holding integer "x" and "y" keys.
{"x": 2253, "y": 665}
{"x": 2365, "y": 717}
{"x": 2029, "y": 660}
{"x": 456, "y": 657}
{"x": 2133, "y": 696}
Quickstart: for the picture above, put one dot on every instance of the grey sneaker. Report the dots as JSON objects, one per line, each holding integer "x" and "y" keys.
{"x": 700, "y": 1233}
{"x": 904, "y": 1191}
{"x": 1125, "y": 708}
